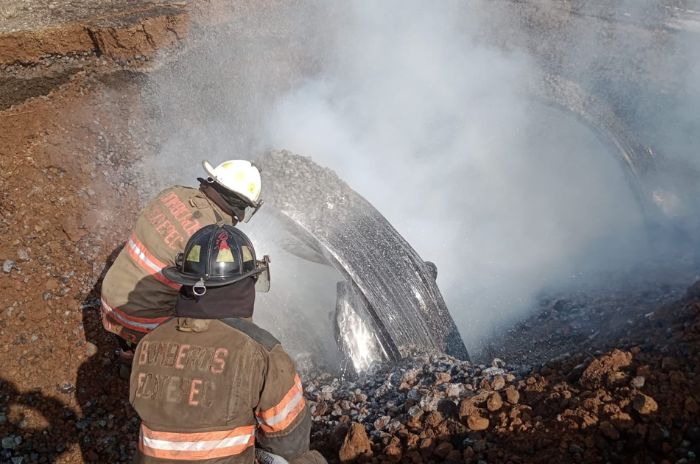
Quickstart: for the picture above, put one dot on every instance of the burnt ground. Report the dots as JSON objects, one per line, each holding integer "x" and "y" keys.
{"x": 592, "y": 376}
{"x": 589, "y": 319}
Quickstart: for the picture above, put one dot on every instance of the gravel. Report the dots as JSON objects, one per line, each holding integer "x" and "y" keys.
{"x": 8, "y": 265}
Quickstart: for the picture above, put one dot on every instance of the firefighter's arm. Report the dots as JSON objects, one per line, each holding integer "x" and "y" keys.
{"x": 284, "y": 421}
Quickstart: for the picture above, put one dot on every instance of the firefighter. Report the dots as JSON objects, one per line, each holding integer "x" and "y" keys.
{"x": 209, "y": 385}
{"x": 136, "y": 297}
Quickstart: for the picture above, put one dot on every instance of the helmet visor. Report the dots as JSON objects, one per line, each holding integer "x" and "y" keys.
{"x": 262, "y": 282}
{"x": 251, "y": 210}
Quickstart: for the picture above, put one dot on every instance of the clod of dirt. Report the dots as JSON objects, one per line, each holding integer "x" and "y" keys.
{"x": 475, "y": 422}
{"x": 494, "y": 402}
{"x": 512, "y": 395}
{"x": 356, "y": 444}
{"x": 644, "y": 404}
{"x": 603, "y": 371}
{"x": 638, "y": 381}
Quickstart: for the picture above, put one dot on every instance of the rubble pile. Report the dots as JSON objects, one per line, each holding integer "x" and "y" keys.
{"x": 635, "y": 404}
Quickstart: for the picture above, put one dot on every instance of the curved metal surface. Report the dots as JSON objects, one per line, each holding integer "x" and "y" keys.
{"x": 637, "y": 159}
{"x": 404, "y": 307}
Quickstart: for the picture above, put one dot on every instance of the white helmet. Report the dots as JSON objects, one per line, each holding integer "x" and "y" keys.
{"x": 240, "y": 177}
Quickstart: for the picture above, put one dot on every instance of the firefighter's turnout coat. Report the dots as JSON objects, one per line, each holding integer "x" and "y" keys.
{"x": 136, "y": 297}
{"x": 209, "y": 391}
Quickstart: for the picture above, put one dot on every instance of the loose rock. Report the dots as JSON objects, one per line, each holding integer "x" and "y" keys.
{"x": 476, "y": 422}
{"x": 7, "y": 266}
{"x": 494, "y": 402}
{"x": 356, "y": 444}
{"x": 644, "y": 404}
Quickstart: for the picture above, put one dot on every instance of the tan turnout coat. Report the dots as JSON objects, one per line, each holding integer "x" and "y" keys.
{"x": 210, "y": 391}
{"x": 136, "y": 297}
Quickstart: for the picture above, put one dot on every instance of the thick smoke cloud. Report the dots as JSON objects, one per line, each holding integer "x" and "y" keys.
{"x": 503, "y": 194}
{"x": 423, "y": 108}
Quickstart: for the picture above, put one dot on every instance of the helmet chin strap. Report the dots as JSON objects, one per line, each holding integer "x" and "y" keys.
{"x": 233, "y": 206}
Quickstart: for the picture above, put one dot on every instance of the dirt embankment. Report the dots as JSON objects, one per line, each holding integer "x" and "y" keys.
{"x": 77, "y": 37}
{"x": 60, "y": 159}
{"x": 70, "y": 125}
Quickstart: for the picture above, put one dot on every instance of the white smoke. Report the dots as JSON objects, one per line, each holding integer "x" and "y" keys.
{"x": 504, "y": 195}
{"x": 421, "y": 107}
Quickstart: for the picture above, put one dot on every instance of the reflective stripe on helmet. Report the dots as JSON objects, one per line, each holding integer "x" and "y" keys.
{"x": 139, "y": 324}
{"x": 279, "y": 417}
{"x": 148, "y": 262}
{"x": 195, "y": 446}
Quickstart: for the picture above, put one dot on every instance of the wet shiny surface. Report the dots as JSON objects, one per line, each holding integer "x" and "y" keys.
{"x": 402, "y": 305}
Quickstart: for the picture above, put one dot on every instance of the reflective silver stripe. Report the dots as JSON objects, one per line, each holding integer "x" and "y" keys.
{"x": 282, "y": 415}
{"x": 126, "y": 321}
{"x": 195, "y": 445}
{"x": 142, "y": 256}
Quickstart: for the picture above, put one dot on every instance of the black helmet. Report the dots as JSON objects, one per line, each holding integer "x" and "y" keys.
{"x": 218, "y": 255}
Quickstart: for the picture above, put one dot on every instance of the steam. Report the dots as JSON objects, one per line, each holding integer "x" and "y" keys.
{"x": 423, "y": 109}
{"x": 504, "y": 195}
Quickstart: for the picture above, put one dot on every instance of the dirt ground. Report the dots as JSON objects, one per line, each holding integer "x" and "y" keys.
{"x": 71, "y": 125}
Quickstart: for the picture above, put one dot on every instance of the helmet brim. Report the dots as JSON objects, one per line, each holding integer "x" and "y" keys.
{"x": 173, "y": 274}
{"x": 209, "y": 169}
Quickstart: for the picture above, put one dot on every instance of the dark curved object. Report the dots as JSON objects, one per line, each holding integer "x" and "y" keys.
{"x": 387, "y": 282}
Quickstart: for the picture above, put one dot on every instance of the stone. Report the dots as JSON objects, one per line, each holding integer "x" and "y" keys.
{"x": 393, "y": 452}
{"x": 494, "y": 402}
{"x": 22, "y": 254}
{"x": 90, "y": 349}
{"x": 466, "y": 407}
{"x": 356, "y": 444}
{"x": 498, "y": 382}
{"x": 453, "y": 390}
{"x": 7, "y": 266}
{"x": 512, "y": 395}
{"x": 601, "y": 370}
{"x": 410, "y": 376}
{"x": 475, "y": 422}
{"x": 443, "y": 449}
{"x": 433, "y": 419}
{"x": 66, "y": 388}
{"x": 442, "y": 377}
{"x": 644, "y": 404}
{"x": 8, "y": 442}
{"x": 382, "y": 422}
{"x": 638, "y": 381}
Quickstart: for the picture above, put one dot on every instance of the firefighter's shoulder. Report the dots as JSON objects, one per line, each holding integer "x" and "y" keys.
{"x": 260, "y": 335}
